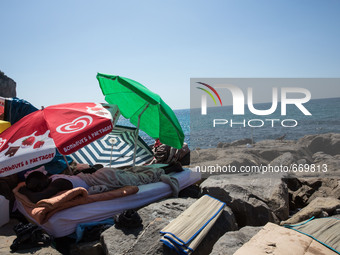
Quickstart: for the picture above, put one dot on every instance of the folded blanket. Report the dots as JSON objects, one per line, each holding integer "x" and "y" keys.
{"x": 45, "y": 208}
{"x": 186, "y": 232}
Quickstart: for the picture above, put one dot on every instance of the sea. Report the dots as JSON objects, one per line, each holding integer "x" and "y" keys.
{"x": 200, "y": 133}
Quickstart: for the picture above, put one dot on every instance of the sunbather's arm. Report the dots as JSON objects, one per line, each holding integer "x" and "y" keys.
{"x": 54, "y": 187}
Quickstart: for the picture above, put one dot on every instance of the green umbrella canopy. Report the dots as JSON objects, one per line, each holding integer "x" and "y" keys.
{"x": 158, "y": 120}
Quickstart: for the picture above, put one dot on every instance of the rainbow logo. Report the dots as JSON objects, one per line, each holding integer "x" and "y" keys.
{"x": 209, "y": 93}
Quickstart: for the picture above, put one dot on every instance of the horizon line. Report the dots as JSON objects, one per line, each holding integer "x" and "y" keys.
{"x": 254, "y": 104}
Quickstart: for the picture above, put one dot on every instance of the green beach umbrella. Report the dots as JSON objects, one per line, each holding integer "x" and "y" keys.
{"x": 145, "y": 109}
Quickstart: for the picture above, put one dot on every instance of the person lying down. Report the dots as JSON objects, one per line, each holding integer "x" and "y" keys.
{"x": 40, "y": 186}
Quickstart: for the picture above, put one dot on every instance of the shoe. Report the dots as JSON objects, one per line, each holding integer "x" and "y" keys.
{"x": 128, "y": 219}
{"x": 29, "y": 236}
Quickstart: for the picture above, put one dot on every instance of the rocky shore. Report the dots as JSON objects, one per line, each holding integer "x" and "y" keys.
{"x": 252, "y": 199}
{"x": 312, "y": 155}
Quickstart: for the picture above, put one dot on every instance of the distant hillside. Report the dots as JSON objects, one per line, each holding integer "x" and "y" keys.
{"x": 7, "y": 86}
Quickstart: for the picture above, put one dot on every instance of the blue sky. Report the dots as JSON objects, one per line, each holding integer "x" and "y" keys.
{"x": 54, "y": 49}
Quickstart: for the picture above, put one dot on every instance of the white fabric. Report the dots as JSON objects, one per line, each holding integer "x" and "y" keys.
{"x": 64, "y": 222}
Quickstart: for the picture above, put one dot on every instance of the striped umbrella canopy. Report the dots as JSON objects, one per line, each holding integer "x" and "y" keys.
{"x": 115, "y": 149}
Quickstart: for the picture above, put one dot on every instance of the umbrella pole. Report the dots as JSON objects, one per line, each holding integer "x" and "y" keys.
{"x": 68, "y": 166}
{"x": 136, "y": 137}
{"x": 111, "y": 155}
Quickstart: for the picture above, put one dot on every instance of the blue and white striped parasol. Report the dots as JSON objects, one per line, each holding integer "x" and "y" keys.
{"x": 115, "y": 149}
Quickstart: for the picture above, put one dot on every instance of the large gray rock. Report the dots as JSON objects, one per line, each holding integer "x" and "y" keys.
{"x": 327, "y": 143}
{"x": 328, "y": 164}
{"x": 304, "y": 190}
{"x": 319, "y": 207}
{"x": 254, "y": 200}
{"x": 321, "y": 156}
{"x": 7, "y": 86}
{"x": 285, "y": 159}
{"x": 272, "y": 149}
{"x": 231, "y": 241}
{"x": 330, "y": 187}
{"x": 146, "y": 240}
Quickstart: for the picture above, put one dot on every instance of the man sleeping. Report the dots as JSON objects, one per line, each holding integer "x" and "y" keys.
{"x": 40, "y": 186}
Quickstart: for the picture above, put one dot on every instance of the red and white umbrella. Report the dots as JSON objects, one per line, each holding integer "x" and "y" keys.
{"x": 33, "y": 140}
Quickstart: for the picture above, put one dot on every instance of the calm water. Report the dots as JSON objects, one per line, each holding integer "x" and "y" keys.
{"x": 325, "y": 118}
